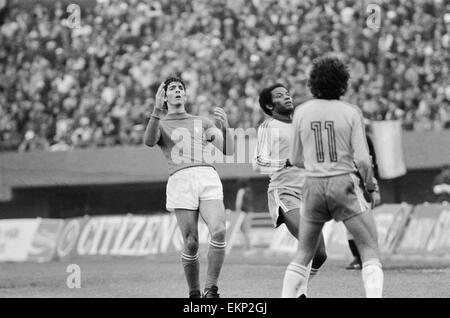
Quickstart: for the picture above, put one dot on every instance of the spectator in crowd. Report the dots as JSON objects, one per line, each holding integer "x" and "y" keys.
{"x": 33, "y": 142}
{"x": 441, "y": 185}
{"x": 108, "y": 68}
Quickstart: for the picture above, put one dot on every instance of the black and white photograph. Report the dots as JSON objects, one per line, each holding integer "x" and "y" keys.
{"x": 253, "y": 150}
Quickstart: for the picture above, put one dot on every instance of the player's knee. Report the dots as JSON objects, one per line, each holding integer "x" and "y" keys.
{"x": 191, "y": 244}
{"x": 218, "y": 234}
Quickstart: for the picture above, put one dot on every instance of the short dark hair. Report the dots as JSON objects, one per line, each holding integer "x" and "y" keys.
{"x": 171, "y": 80}
{"x": 328, "y": 78}
{"x": 167, "y": 83}
{"x": 265, "y": 98}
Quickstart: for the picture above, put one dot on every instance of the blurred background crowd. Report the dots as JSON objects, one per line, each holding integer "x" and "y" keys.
{"x": 63, "y": 87}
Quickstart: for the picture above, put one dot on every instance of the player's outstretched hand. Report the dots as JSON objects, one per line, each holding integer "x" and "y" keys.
{"x": 159, "y": 98}
{"x": 220, "y": 117}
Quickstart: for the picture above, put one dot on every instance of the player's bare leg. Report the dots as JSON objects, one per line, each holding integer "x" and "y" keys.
{"x": 245, "y": 229}
{"x": 296, "y": 274}
{"x": 187, "y": 221}
{"x": 356, "y": 262}
{"x": 363, "y": 229}
{"x": 292, "y": 221}
{"x": 213, "y": 213}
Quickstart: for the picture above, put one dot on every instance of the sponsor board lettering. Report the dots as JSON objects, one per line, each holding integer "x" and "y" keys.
{"x": 43, "y": 244}
{"x": 126, "y": 235}
{"x": 396, "y": 229}
{"x": 439, "y": 240}
{"x": 417, "y": 234}
{"x": 68, "y": 237}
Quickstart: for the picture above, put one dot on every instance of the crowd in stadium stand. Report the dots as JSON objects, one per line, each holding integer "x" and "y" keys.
{"x": 63, "y": 87}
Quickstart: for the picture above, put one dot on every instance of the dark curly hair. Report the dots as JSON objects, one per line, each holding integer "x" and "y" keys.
{"x": 171, "y": 80}
{"x": 265, "y": 98}
{"x": 328, "y": 78}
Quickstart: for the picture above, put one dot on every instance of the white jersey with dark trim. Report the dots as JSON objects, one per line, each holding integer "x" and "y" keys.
{"x": 271, "y": 153}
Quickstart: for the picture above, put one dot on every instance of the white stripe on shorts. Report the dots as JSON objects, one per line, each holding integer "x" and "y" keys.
{"x": 279, "y": 202}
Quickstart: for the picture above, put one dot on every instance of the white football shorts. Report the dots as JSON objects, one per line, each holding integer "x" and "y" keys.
{"x": 187, "y": 187}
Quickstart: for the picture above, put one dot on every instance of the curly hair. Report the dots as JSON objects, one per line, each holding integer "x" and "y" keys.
{"x": 265, "y": 98}
{"x": 171, "y": 80}
{"x": 328, "y": 78}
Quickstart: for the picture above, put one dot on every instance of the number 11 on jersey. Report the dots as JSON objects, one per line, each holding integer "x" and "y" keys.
{"x": 316, "y": 127}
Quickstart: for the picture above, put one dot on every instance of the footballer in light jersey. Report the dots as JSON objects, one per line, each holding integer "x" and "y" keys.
{"x": 271, "y": 155}
{"x": 329, "y": 141}
{"x": 194, "y": 186}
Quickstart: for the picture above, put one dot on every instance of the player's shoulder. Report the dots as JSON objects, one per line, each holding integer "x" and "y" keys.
{"x": 266, "y": 123}
{"x": 352, "y": 108}
{"x": 303, "y": 106}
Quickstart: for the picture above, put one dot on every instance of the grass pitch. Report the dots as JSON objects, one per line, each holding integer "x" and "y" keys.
{"x": 257, "y": 276}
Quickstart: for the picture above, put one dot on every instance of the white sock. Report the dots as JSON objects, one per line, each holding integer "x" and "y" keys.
{"x": 372, "y": 276}
{"x": 303, "y": 289}
{"x": 294, "y": 279}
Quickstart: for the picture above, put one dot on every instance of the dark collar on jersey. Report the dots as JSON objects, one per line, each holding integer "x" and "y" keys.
{"x": 174, "y": 116}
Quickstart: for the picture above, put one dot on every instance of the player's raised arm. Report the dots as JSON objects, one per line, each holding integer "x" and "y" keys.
{"x": 296, "y": 147}
{"x": 221, "y": 136}
{"x": 361, "y": 152}
{"x": 152, "y": 133}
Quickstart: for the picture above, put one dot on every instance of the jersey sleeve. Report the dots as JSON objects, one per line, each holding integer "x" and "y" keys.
{"x": 210, "y": 129}
{"x": 358, "y": 138}
{"x": 361, "y": 150}
{"x": 160, "y": 141}
{"x": 296, "y": 146}
{"x": 266, "y": 156}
